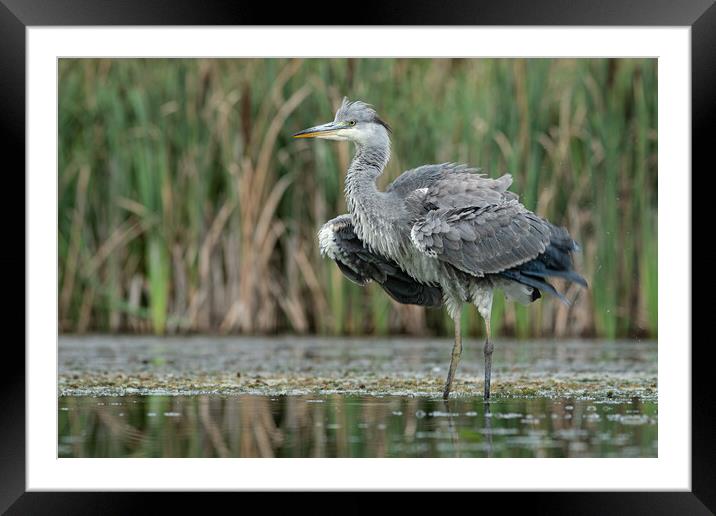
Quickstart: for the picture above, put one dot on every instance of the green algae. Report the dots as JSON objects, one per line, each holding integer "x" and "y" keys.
{"x": 596, "y": 370}
{"x": 606, "y": 387}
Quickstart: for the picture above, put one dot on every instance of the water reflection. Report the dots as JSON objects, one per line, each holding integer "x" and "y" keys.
{"x": 352, "y": 426}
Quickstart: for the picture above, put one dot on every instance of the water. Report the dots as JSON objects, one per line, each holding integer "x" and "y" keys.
{"x": 291, "y": 365}
{"x": 353, "y": 426}
{"x": 323, "y": 397}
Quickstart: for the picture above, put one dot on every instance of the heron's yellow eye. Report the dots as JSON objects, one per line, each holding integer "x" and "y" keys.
{"x": 352, "y": 122}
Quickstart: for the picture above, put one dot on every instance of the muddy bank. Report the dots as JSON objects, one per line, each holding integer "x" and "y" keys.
{"x": 112, "y": 366}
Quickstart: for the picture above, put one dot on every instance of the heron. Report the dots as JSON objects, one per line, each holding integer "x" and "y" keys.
{"x": 438, "y": 235}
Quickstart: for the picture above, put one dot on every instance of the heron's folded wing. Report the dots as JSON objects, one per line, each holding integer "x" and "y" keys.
{"x": 482, "y": 240}
{"x": 361, "y": 266}
{"x": 450, "y": 185}
{"x": 461, "y": 190}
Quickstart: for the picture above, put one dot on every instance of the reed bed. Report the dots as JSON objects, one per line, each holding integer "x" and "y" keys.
{"x": 185, "y": 206}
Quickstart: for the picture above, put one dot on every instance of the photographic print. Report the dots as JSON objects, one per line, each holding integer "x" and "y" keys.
{"x": 357, "y": 257}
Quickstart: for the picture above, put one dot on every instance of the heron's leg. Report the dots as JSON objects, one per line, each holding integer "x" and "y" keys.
{"x": 455, "y": 358}
{"x": 488, "y": 358}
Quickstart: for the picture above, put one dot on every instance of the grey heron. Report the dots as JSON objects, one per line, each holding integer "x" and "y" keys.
{"x": 440, "y": 234}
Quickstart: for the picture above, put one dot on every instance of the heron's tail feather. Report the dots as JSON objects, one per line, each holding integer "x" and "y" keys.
{"x": 555, "y": 262}
{"x": 535, "y": 282}
{"x": 569, "y": 275}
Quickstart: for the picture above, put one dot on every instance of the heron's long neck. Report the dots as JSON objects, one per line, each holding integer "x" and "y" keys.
{"x": 368, "y": 205}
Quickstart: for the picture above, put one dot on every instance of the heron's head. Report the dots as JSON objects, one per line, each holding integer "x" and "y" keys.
{"x": 355, "y": 121}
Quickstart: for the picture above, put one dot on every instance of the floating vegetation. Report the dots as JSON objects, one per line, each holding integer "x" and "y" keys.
{"x": 604, "y": 372}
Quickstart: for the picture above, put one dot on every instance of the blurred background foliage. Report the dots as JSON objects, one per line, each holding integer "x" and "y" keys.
{"x": 186, "y": 206}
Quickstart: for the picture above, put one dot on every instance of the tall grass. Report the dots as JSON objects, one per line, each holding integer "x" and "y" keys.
{"x": 184, "y": 205}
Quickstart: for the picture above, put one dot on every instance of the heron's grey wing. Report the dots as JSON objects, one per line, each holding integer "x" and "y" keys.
{"x": 339, "y": 242}
{"x": 458, "y": 190}
{"x": 424, "y": 176}
{"x": 482, "y": 240}
{"x": 449, "y": 185}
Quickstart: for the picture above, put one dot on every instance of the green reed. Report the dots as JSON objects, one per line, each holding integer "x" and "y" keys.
{"x": 185, "y": 205}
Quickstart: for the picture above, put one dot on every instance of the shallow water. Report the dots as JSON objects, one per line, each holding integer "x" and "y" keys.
{"x": 107, "y": 366}
{"x": 353, "y": 426}
{"x": 323, "y": 397}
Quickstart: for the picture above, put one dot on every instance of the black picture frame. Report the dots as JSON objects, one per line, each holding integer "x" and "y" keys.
{"x": 17, "y": 15}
